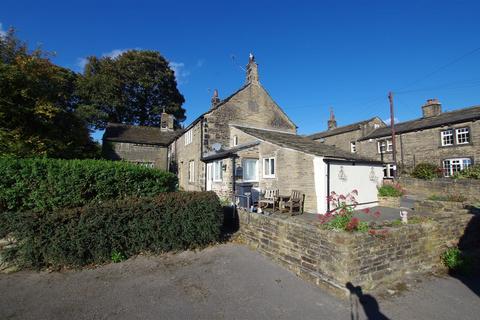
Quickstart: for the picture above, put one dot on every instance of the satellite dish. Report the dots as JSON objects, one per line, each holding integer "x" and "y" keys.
{"x": 217, "y": 146}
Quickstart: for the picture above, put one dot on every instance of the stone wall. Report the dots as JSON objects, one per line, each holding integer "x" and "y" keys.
{"x": 137, "y": 153}
{"x": 190, "y": 152}
{"x": 331, "y": 259}
{"x": 390, "y": 202}
{"x": 468, "y": 188}
{"x": 251, "y": 106}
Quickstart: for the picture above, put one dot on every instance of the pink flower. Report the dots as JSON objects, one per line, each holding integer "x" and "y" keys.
{"x": 366, "y": 210}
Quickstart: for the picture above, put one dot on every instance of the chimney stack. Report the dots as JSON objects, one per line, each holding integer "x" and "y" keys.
{"x": 166, "y": 121}
{"x": 215, "y": 99}
{"x": 252, "y": 70}
{"x": 432, "y": 108}
{"x": 332, "y": 123}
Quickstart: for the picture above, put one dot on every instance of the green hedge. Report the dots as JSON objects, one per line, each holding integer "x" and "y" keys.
{"x": 45, "y": 184}
{"x": 426, "y": 171}
{"x": 98, "y": 233}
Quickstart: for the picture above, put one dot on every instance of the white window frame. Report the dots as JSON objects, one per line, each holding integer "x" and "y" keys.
{"x": 463, "y": 133}
{"x": 191, "y": 171}
{"x": 447, "y": 134}
{"x": 255, "y": 179}
{"x": 388, "y": 146}
{"x": 454, "y": 163}
{"x": 271, "y": 173}
{"x": 353, "y": 146}
{"x": 235, "y": 141}
{"x": 188, "y": 137}
{"x": 217, "y": 171}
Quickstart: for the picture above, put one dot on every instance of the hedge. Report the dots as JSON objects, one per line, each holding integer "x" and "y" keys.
{"x": 98, "y": 233}
{"x": 45, "y": 184}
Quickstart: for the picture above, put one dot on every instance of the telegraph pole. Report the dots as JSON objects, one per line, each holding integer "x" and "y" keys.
{"x": 392, "y": 125}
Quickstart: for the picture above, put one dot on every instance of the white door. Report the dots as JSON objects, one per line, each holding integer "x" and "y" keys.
{"x": 209, "y": 176}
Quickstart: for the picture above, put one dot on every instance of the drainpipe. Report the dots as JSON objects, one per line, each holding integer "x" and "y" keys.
{"x": 328, "y": 185}
{"x": 233, "y": 178}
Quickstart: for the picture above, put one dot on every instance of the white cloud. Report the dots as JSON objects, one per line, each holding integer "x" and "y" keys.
{"x": 3, "y": 33}
{"x": 387, "y": 121}
{"x": 180, "y": 72}
{"x": 81, "y": 62}
{"x": 114, "y": 53}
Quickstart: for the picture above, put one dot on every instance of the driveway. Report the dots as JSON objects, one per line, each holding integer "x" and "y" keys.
{"x": 223, "y": 282}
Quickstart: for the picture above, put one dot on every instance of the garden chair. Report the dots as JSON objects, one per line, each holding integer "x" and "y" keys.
{"x": 295, "y": 202}
{"x": 270, "y": 197}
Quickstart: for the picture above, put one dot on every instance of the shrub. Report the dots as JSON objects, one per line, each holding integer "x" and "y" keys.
{"x": 391, "y": 190}
{"x": 113, "y": 230}
{"x": 47, "y": 184}
{"x": 341, "y": 218}
{"x": 472, "y": 172}
{"x": 455, "y": 260}
{"x": 426, "y": 171}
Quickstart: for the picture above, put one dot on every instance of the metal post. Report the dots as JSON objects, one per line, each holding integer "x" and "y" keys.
{"x": 392, "y": 125}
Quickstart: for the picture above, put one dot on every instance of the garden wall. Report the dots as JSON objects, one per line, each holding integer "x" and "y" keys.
{"x": 331, "y": 259}
{"x": 468, "y": 188}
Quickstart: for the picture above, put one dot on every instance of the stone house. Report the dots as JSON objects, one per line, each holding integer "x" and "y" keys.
{"x": 245, "y": 144}
{"x": 347, "y": 137}
{"x": 147, "y": 146}
{"x": 449, "y": 140}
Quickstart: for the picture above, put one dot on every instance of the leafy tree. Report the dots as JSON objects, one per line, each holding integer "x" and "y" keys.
{"x": 132, "y": 88}
{"x": 37, "y": 105}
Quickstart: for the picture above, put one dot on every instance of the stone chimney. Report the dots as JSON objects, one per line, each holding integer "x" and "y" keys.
{"x": 252, "y": 70}
{"x": 215, "y": 99}
{"x": 432, "y": 108}
{"x": 166, "y": 121}
{"x": 332, "y": 123}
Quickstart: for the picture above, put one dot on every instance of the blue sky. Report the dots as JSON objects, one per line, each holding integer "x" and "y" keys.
{"x": 311, "y": 55}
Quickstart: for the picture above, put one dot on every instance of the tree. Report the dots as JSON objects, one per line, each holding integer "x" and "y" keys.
{"x": 133, "y": 88}
{"x": 37, "y": 105}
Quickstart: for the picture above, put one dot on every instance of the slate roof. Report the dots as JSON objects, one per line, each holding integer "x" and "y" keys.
{"x": 228, "y": 152}
{"x": 119, "y": 132}
{"x": 445, "y": 118}
{"x": 339, "y": 130}
{"x": 303, "y": 144}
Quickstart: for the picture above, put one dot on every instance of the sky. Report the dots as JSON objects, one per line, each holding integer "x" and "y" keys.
{"x": 312, "y": 55}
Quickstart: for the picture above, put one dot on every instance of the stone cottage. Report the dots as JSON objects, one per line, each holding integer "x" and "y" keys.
{"x": 247, "y": 141}
{"x": 147, "y": 146}
{"x": 448, "y": 139}
{"x": 245, "y": 144}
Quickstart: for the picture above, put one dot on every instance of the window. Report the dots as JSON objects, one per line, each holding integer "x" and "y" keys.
{"x": 385, "y": 146}
{"x": 188, "y": 137}
{"x": 217, "y": 171}
{"x": 463, "y": 135}
{"x": 269, "y": 168}
{"x": 388, "y": 171}
{"x": 447, "y": 137}
{"x": 191, "y": 171}
{"x": 235, "y": 141}
{"x": 353, "y": 147}
{"x": 376, "y": 126}
{"x": 250, "y": 172}
{"x": 451, "y": 166}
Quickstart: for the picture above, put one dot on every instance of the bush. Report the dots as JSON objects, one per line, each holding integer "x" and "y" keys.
{"x": 113, "y": 230}
{"x": 472, "y": 172}
{"x": 391, "y": 190}
{"x": 448, "y": 197}
{"x": 426, "y": 171}
{"x": 455, "y": 260}
{"x": 47, "y": 184}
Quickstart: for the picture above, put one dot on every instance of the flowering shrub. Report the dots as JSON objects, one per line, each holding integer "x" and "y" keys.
{"x": 341, "y": 218}
{"x": 391, "y": 190}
